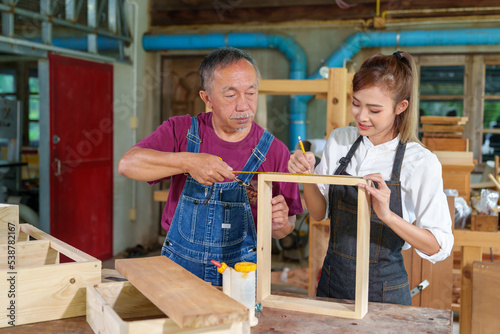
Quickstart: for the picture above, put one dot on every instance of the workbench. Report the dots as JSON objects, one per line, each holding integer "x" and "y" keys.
{"x": 381, "y": 318}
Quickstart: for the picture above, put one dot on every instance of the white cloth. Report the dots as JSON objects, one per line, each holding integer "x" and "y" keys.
{"x": 421, "y": 180}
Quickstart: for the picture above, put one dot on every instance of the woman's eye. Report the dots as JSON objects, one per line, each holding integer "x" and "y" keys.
{"x": 375, "y": 111}
{"x": 354, "y": 104}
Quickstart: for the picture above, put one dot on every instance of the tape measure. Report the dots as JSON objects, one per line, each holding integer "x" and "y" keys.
{"x": 279, "y": 173}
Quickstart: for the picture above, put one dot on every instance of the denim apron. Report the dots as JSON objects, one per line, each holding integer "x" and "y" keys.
{"x": 214, "y": 222}
{"x": 388, "y": 280}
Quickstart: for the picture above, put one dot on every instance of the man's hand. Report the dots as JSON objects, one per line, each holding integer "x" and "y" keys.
{"x": 208, "y": 169}
{"x": 282, "y": 225}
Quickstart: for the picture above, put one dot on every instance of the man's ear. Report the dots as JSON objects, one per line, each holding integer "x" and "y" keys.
{"x": 205, "y": 96}
{"x": 402, "y": 106}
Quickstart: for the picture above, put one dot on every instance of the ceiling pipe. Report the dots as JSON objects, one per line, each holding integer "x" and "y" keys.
{"x": 286, "y": 45}
{"x": 298, "y": 61}
{"x": 399, "y": 39}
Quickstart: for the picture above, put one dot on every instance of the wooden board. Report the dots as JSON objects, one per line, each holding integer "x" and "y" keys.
{"x": 119, "y": 307}
{"x": 455, "y": 158}
{"x": 485, "y": 297}
{"x": 442, "y": 128}
{"x": 293, "y": 87}
{"x": 443, "y": 120}
{"x": 264, "y": 209}
{"x": 484, "y": 223}
{"x": 186, "y": 299}
{"x": 446, "y": 144}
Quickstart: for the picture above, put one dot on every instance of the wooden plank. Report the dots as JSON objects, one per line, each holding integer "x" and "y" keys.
{"x": 446, "y": 144}
{"x": 319, "y": 234}
{"x": 185, "y": 298}
{"x": 454, "y": 158}
{"x": 293, "y": 87}
{"x": 336, "y": 114}
{"x": 443, "y": 135}
{"x": 362, "y": 253}
{"x": 30, "y": 254}
{"x": 486, "y": 297}
{"x": 264, "y": 237}
{"x": 264, "y": 250}
{"x": 439, "y": 275}
{"x": 465, "y": 237}
{"x": 49, "y": 292}
{"x": 469, "y": 255}
{"x": 73, "y": 253}
{"x": 442, "y": 128}
{"x": 160, "y": 195}
{"x": 9, "y": 216}
{"x": 484, "y": 223}
{"x": 443, "y": 120}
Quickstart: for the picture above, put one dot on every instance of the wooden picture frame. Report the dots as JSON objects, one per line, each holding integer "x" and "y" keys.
{"x": 264, "y": 238}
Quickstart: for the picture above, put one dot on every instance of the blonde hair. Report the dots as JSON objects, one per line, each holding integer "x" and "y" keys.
{"x": 397, "y": 74}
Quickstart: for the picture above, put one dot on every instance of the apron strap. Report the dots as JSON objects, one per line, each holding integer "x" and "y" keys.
{"x": 193, "y": 138}
{"x": 345, "y": 160}
{"x": 398, "y": 161}
{"x": 257, "y": 157}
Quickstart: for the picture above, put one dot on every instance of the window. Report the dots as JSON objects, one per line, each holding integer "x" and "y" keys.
{"x": 7, "y": 91}
{"x": 441, "y": 91}
{"x": 34, "y": 108}
{"x": 491, "y": 114}
{"x": 464, "y": 86}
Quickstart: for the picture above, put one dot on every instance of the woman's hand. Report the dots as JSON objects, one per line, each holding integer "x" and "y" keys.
{"x": 380, "y": 197}
{"x": 302, "y": 163}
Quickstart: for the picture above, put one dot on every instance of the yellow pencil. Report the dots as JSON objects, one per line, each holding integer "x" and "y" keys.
{"x": 301, "y": 145}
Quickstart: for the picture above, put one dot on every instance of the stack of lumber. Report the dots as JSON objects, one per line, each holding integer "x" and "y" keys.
{"x": 444, "y": 133}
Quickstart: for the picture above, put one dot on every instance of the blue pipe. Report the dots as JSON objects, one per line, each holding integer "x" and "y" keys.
{"x": 81, "y": 43}
{"x": 287, "y": 46}
{"x": 354, "y": 43}
{"x": 297, "y": 57}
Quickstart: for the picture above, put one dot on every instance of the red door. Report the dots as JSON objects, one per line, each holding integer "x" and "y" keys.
{"x": 81, "y": 135}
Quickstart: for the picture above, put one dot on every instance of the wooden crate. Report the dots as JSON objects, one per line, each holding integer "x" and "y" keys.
{"x": 34, "y": 285}
{"x": 484, "y": 223}
{"x": 119, "y": 308}
{"x": 360, "y": 307}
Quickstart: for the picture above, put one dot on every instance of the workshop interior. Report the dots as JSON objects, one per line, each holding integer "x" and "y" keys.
{"x": 83, "y": 81}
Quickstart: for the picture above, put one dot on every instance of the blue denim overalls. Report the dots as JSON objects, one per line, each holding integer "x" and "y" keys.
{"x": 214, "y": 222}
{"x": 388, "y": 281}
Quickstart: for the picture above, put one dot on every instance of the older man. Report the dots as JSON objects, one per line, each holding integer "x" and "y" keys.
{"x": 210, "y": 213}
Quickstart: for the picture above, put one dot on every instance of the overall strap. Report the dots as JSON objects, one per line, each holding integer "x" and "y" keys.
{"x": 193, "y": 138}
{"x": 398, "y": 161}
{"x": 345, "y": 160}
{"x": 257, "y": 157}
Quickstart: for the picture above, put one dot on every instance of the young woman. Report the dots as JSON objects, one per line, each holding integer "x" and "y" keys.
{"x": 409, "y": 207}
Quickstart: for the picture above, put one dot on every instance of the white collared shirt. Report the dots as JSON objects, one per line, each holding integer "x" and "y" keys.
{"x": 423, "y": 199}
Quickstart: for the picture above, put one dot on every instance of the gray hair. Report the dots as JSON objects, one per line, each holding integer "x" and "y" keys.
{"x": 219, "y": 59}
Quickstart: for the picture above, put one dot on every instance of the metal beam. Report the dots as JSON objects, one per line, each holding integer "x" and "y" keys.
{"x": 92, "y": 23}
{"x": 70, "y": 10}
{"x": 62, "y": 22}
{"x": 46, "y": 10}
{"x": 18, "y": 44}
{"x": 8, "y": 18}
